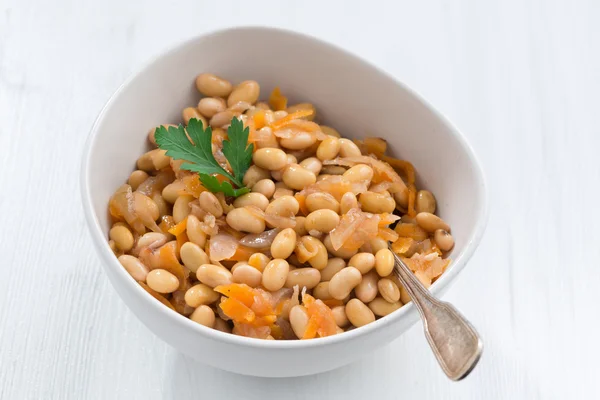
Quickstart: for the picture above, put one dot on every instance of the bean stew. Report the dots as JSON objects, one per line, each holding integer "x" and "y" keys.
{"x": 300, "y": 250}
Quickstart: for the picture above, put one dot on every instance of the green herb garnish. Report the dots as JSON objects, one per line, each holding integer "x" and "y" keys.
{"x": 197, "y": 152}
{"x": 213, "y": 184}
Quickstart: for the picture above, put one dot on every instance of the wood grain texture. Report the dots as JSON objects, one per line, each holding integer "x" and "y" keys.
{"x": 519, "y": 78}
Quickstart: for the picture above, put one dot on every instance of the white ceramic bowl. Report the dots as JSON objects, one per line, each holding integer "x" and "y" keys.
{"x": 351, "y": 95}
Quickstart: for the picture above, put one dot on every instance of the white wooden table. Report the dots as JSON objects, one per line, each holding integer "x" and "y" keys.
{"x": 520, "y": 78}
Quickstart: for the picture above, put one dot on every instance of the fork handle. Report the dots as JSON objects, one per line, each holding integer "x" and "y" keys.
{"x": 455, "y": 343}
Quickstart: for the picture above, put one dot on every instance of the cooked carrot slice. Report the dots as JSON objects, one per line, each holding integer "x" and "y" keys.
{"x": 406, "y": 167}
{"x": 276, "y": 332}
{"x": 181, "y": 239}
{"x": 192, "y": 185}
{"x": 251, "y": 125}
{"x": 327, "y": 325}
{"x": 166, "y": 223}
{"x": 281, "y": 306}
{"x": 167, "y": 257}
{"x": 256, "y": 299}
{"x": 157, "y": 295}
{"x": 376, "y": 145}
{"x": 311, "y": 328}
{"x": 388, "y": 234}
{"x": 242, "y": 253}
{"x": 372, "y": 145}
{"x": 333, "y": 303}
{"x": 267, "y": 320}
{"x": 437, "y": 250}
{"x": 412, "y": 195}
{"x": 402, "y": 245}
{"x": 386, "y": 219}
{"x": 321, "y": 322}
{"x": 277, "y": 101}
{"x": 179, "y": 228}
{"x": 241, "y": 292}
{"x": 302, "y": 202}
{"x": 259, "y": 120}
{"x": 219, "y": 134}
{"x": 290, "y": 117}
{"x": 237, "y": 311}
{"x": 250, "y": 309}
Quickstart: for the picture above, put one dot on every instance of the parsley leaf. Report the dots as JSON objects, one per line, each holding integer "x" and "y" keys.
{"x": 212, "y": 183}
{"x": 236, "y": 148}
{"x": 193, "y": 144}
{"x": 197, "y": 153}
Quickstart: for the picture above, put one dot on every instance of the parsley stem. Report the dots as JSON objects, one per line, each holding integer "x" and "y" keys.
{"x": 232, "y": 179}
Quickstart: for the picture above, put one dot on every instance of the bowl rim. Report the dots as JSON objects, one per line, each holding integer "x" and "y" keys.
{"x": 407, "y": 311}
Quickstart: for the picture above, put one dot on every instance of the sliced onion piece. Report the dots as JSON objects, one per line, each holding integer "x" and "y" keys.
{"x": 222, "y": 247}
{"x": 430, "y": 264}
{"x": 388, "y": 234}
{"x": 196, "y": 210}
{"x": 147, "y": 187}
{"x": 335, "y": 185}
{"x": 382, "y": 170}
{"x": 209, "y": 225}
{"x": 260, "y": 240}
{"x": 349, "y": 223}
{"x": 380, "y": 187}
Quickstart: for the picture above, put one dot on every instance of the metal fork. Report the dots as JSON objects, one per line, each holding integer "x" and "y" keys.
{"x": 455, "y": 343}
